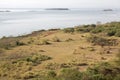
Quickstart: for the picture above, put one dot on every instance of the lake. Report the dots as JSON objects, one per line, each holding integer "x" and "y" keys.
{"x": 23, "y": 21}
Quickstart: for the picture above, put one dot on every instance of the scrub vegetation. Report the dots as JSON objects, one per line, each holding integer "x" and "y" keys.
{"x": 86, "y": 52}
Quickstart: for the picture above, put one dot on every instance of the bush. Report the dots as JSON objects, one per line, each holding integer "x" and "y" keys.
{"x": 78, "y": 29}
{"x": 37, "y": 59}
{"x": 10, "y": 42}
{"x": 85, "y": 28}
{"x": 68, "y": 30}
{"x": 96, "y": 40}
{"x": 54, "y": 29}
{"x": 70, "y": 74}
{"x": 103, "y": 71}
{"x": 18, "y": 43}
{"x": 111, "y": 32}
{"x": 93, "y": 25}
{"x": 117, "y": 33}
{"x": 51, "y": 74}
{"x": 98, "y": 29}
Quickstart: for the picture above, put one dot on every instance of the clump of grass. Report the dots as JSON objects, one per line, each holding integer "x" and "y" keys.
{"x": 91, "y": 48}
{"x": 70, "y": 74}
{"x": 51, "y": 73}
{"x": 56, "y": 39}
{"x": 55, "y": 66}
{"x": 28, "y": 75}
{"x": 69, "y": 39}
{"x": 31, "y": 40}
{"x": 36, "y": 59}
{"x": 52, "y": 66}
{"x": 44, "y": 42}
{"x": 41, "y": 51}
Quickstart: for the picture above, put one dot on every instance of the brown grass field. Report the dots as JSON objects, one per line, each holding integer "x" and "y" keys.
{"x": 67, "y": 50}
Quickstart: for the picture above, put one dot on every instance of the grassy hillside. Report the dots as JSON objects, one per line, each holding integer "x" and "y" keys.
{"x": 86, "y": 52}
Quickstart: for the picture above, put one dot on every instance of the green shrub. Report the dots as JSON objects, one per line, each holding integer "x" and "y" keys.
{"x": 18, "y": 43}
{"x": 111, "y": 32}
{"x": 10, "y": 42}
{"x": 98, "y": 29}
{"x": 68, "y": 30}
{"x": 37, "y": 59}
{"x": 88, "y": 29}
{"x": 79, "y": 29}
{"x": 117, "y": 33}
{"x": 103, "y": 71}
{"x": 54, "y": 29}
{"x": 85, "y": 28}
{"x": 117, "y": 77}
{"x": 70, "y": 74}
{"x": 51, "y": 74}
{"x": 93, "y": 25}
{"x": 96, "y": 40}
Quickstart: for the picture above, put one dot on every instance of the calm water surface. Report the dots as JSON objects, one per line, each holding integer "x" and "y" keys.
{"x": 22, "y": 21}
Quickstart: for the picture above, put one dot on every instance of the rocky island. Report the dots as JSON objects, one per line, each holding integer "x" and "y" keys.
{"x": 107, "y": 10}
{"x": 56, "y": 9}
{"x": 5, "y": 11}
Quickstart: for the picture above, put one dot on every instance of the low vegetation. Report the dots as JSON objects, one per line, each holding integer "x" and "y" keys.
{"x": 15, "y": 67}
{"x": 56, "y": 39}
{"x": 63, "y": 54}
{"x": 9, "y": 42}
{"x": 97, "y": 40}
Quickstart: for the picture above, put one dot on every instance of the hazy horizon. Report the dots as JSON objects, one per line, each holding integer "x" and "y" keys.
{"x": 59, "y": 4}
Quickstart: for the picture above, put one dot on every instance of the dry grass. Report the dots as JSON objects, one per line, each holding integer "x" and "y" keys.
{"x": 78, "y": 49}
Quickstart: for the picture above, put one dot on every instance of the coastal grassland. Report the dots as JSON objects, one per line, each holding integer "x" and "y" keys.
{"x": 86, "y": 52}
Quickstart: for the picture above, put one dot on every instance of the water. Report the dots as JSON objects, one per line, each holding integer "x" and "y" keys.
{"x": 23, "y": 21}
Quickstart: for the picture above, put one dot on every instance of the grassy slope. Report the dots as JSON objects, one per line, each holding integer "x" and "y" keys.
{"x": 72, "y": 50}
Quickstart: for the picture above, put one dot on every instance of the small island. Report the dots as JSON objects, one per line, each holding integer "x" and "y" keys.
{"x": 107, "y": 10}
{"x": 5, "y": 11}
{"x": 56, "y": 9}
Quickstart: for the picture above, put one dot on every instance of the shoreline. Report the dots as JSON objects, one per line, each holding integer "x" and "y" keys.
{"x": 52, "y": 29}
